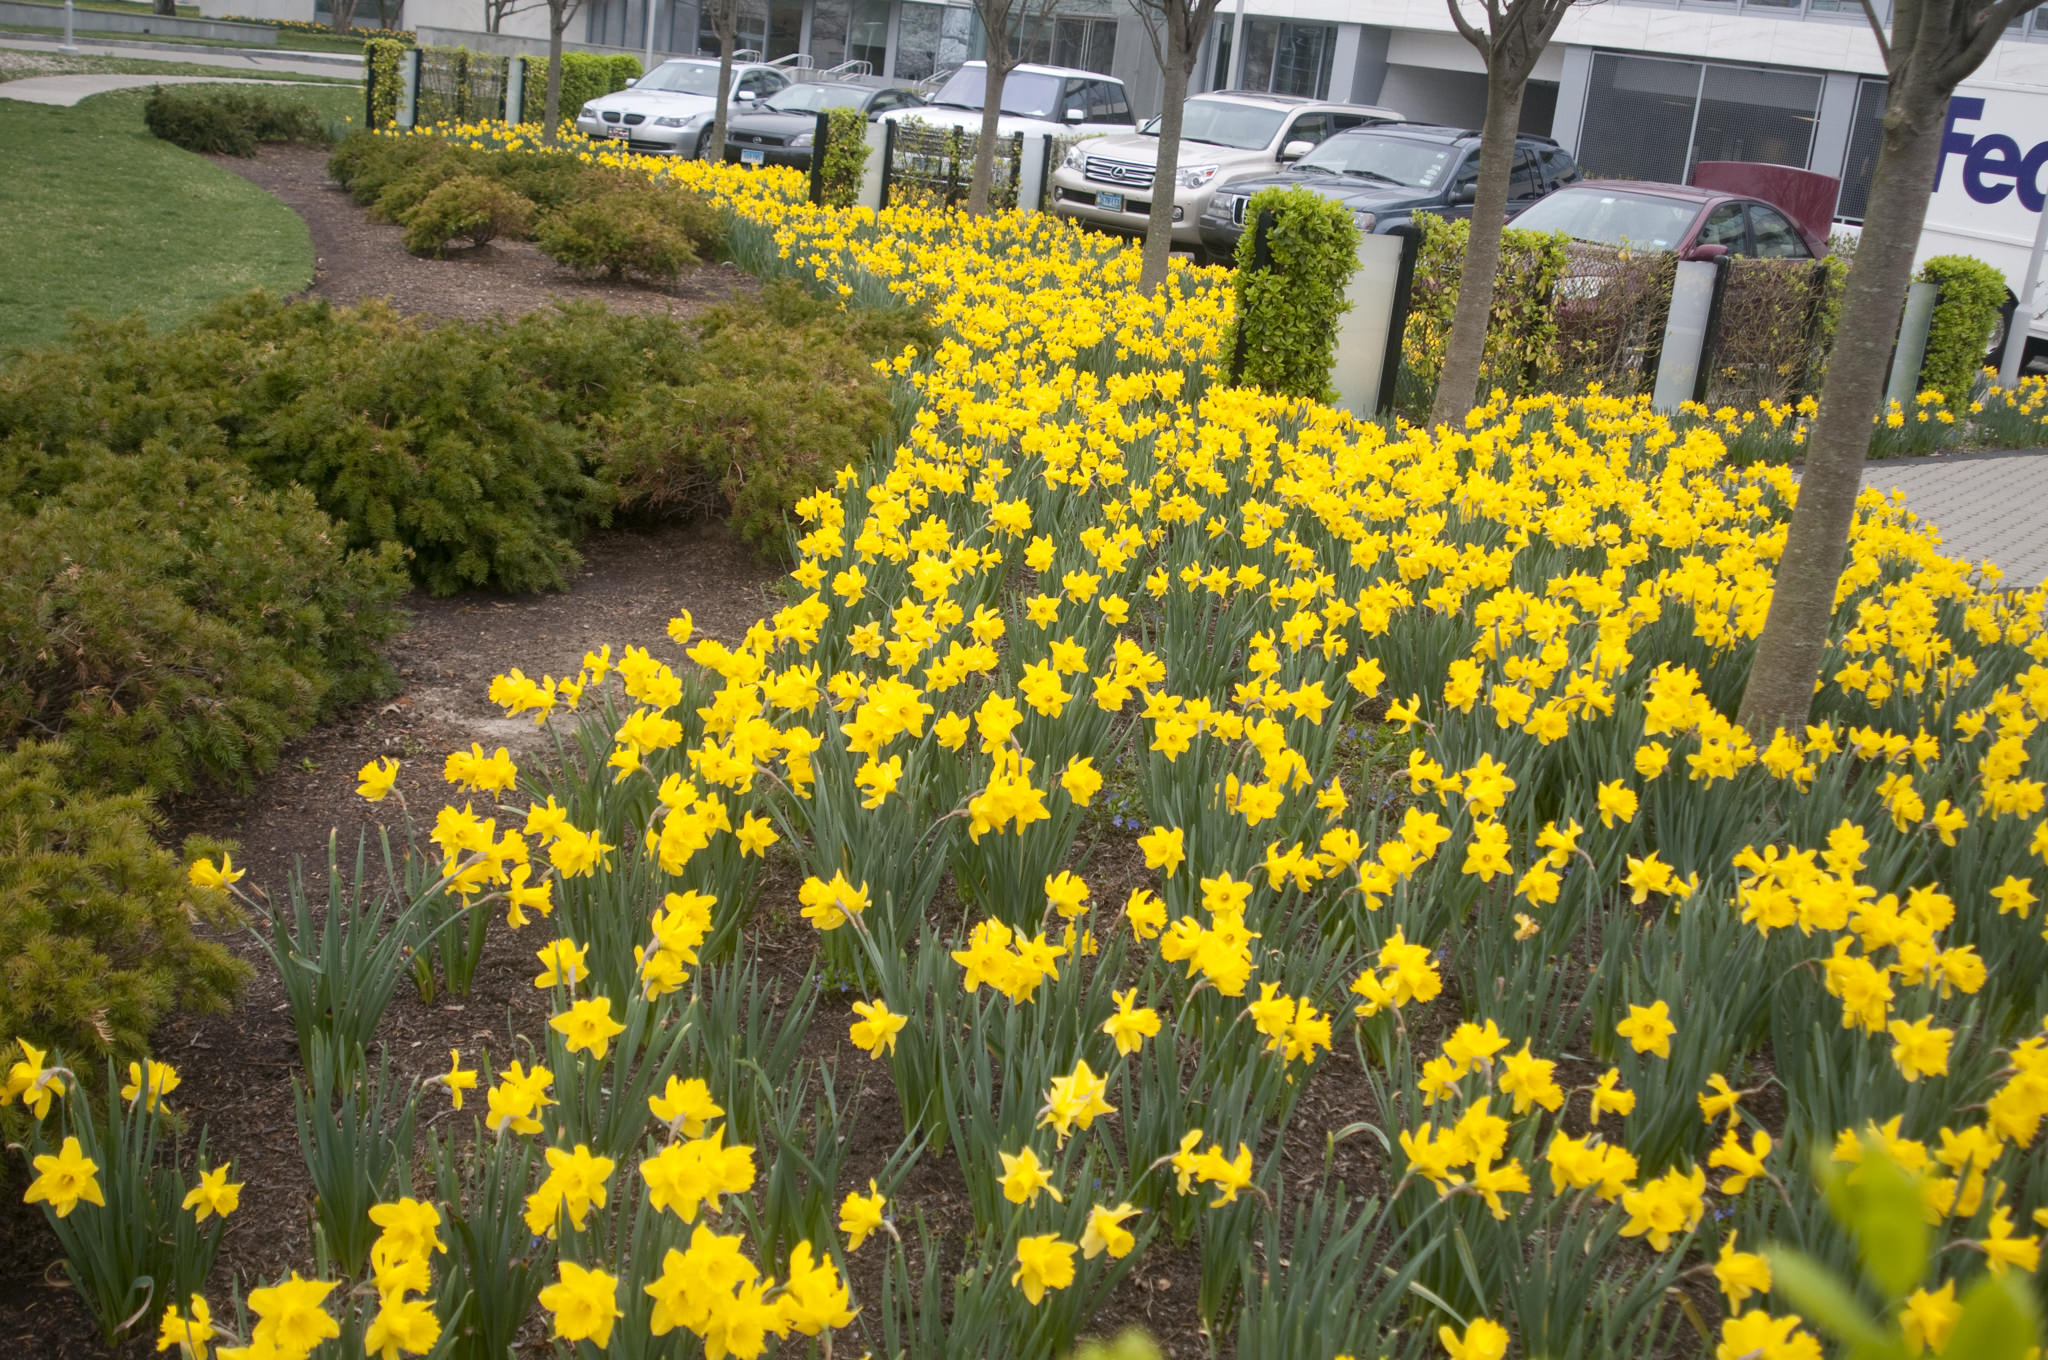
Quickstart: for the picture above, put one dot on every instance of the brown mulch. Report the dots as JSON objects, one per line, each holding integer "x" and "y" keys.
{"x": 356, "y": 259}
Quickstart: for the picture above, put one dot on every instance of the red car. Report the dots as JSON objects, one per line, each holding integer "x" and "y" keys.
{"x": 1771, "y": 212}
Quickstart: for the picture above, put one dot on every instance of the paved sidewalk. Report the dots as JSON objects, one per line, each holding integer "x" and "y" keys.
{"x": 1991, "y": 506}
{"x": 291, "y": 63}
{"x": 65, "y": 91}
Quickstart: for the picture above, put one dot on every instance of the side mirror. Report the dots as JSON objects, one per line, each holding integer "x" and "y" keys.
{"x": 748, "y": 95}
{"x": 1461, "y": 194}
{"x": 1296, "y": 149}
{"x": 1075, "y": 116}
{"x": 631, "y": 81}
{"x": 1706, "y": 252}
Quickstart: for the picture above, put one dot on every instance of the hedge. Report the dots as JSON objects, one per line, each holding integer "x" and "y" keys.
{"x": 1283, "y": 335}
{"x": 585, "y": 76}
{"x": 1972, "y": 292}
{"x": 846, "y": 157}
{"x": 381, "y": 58}
{"x": 1522, "y": 348}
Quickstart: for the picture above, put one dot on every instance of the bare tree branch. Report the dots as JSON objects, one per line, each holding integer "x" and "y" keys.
{"x": 1472, "y": 35}
{"x": 1884, "y": 46}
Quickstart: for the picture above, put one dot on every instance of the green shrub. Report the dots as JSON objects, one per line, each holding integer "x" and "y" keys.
{"x": 176, "y": 621}
{"x": 585, "y": 76}
{"x": 1521, "y": 332}
{"x": 543, "y": 179}
{"x": 1971, "y": 294}
{"x": 96, "y": 938}
{"x": 367, "y": 165}
{"x": 468, "y": 208}
{"x": 627, "y": 225}
{"x": 381, "y": 57}
{"x": 1285, "y": 323}
{"x": 782, "y": 396}
{"x": 846, "y": 157}
{"x": 228, "y": 122}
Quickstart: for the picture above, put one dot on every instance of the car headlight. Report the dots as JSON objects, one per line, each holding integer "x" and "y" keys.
{"x": 1223, "y": 205}
{"x": 803, "y": 139}
{"x": 670, "y": 120}
{"x": 1076, "y": 157}
{"x": 589, "y": 111}
{"x": 1195, "y": 176}
{"x": 1363, "y": 218}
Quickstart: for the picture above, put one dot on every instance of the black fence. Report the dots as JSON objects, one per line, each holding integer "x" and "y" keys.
{"x": 460, "y": 86}
{"x": 935, "y": 165}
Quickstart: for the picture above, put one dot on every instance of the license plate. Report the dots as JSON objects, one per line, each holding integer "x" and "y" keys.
{"x": 753, "y": 157}
{"x": 615, "y": 130}
{"x": 1110, "y": 202}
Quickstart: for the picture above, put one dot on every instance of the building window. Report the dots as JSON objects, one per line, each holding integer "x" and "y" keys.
{"x": 1653, "y": 118}
{"x": 1866, "y": 136}
{"x": 1079, "y": 42}
{"x": 868, "y": 34}
{"x": 1279, "y": 57}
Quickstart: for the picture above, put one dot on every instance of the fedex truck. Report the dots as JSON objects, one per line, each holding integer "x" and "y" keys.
{"x": 1988, "y": 193}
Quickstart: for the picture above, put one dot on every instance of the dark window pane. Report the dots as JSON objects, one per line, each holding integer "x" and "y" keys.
{"x": 1639, "y": 115}
{"x": 1776, "y": 238}
{"x": 1723, "y": 227}
{"x": 1752, "y": 115}
{"x": 1866, "y": 135}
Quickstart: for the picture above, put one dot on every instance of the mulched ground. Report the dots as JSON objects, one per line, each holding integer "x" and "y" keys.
{"x": 356, "y": 259}
{"x": 238, "y": 1068}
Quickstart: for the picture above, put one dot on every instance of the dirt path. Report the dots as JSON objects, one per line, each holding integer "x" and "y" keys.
{"x": 356, "y": 259}
{"x": 238, "y": 1067}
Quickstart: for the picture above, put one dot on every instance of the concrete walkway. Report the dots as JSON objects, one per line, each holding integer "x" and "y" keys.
{"x": 1988, "y": 506}
{"x": 242, "y": 58}
{"x": 65, "y": 91}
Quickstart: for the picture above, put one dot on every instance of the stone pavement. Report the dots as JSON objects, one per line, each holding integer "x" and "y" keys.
{"x": 1988, "y": 507}
{"x": 65, "y": 91}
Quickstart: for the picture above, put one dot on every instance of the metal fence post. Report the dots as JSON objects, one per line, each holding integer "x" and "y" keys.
{"x": 888, "y": 161}
{"x": 1397, "y": 319}
{"x": 409, "y": 87}
{"x": 1912, "y": 350}
{"x": 820, "y": 140}
{"x": 1262, "y": 260}
{"x": 1710, "y": 342}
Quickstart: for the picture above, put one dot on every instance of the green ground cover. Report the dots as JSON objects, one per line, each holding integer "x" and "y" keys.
{"x": 102, "y": 216}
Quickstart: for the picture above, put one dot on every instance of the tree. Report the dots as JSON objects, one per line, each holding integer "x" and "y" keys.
{"x": 725, "y": 20}
{"x": 344, "y": 13}
{"x": 1005, "y": 22}
{"x": 1515, "y": 35}
{"x": 1176, "y": 28}
{"x": 1933, "y": 46}
{"x": 559, "y": 14}
{"x": 496, "y": 12}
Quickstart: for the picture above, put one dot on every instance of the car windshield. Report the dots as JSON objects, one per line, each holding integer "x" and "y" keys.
{"x": 1221, "y": 122}
{"x": 1398, "y": 160}
{"x": 1610, "y": 217}
{"x": 1027, "y": 94}
{"x": 682, "y": 77}
{"x": 811, "y": 98}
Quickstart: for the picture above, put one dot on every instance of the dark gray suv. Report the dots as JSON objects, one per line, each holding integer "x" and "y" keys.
{"x": 1388, "y": 173}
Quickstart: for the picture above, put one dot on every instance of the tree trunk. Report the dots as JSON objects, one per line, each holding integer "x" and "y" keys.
{"x": 728, "y": 35}
{"x": 978, "y": 189}
{"x": 344, "y": 13}
{"x": 1159, "y": 226}
{"x": 1457, "y": 386}
{"x": 167, "y": 9}
{"x": 551, "y": 111}
{"x": 1789, "y": 653}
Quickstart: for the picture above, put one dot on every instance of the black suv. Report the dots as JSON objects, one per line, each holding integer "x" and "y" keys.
{"x": 1386, "y": 173}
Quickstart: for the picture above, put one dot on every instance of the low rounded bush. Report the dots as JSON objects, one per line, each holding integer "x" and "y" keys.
{"x": 467, "y": 208}
{"x": 623, "y": 226}
{"x": 96, "y": 938}
{"x": 228, "y": 122}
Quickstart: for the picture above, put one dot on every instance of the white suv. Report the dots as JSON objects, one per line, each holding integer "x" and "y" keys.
{"x": 1107, "y": 181}
{"x": 1050, "y": 99}
{"x": 669, "y": 110}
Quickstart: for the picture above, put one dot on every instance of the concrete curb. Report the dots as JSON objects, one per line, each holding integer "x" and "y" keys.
{"x": 195, "y": 50}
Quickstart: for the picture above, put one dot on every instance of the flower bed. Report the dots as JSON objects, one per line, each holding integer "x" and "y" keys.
{"x": 1423, "y": 743}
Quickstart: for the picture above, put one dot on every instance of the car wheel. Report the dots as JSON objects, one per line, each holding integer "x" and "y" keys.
{"x": 704, "y": 145}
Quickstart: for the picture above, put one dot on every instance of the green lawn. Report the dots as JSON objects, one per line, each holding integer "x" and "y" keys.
{"x": 102, "y": 216}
